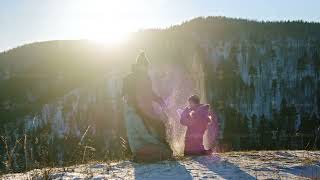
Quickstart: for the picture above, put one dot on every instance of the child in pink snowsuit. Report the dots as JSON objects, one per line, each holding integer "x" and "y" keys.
{"x": 196, "y": 117}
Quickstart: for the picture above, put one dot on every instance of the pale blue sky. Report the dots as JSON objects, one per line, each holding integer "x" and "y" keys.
{"x": 25, "y": 21}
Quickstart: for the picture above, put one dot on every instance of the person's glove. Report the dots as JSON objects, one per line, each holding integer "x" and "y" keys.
{"x": 191, "y": 113}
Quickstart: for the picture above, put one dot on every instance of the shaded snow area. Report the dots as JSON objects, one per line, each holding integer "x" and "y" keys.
{"x": 232, "y": 165}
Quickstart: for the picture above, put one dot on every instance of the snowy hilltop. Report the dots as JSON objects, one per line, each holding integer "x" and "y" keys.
{"x": 233, "y": 165}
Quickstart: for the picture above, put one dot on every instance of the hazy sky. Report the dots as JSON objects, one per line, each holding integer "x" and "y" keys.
{"x": 25, "y": 21}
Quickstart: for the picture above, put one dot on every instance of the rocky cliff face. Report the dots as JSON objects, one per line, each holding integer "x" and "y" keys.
{"x": 264, "y": 74}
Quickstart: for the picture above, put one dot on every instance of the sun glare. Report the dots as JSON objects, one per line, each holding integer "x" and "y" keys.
{"x": 103, "y": 21}
{"x": 106, "y": 37}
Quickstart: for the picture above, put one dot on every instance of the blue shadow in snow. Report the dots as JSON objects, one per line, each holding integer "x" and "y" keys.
{"x": 311, "y": 171}
{"x": 161, "y": 170}
{"x": 224, "y": 169}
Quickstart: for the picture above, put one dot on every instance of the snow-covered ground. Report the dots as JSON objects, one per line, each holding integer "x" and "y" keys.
{"x": 232, "y": 165}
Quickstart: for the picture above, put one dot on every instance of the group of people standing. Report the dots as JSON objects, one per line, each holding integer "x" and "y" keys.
{"x": 146, "y": 129}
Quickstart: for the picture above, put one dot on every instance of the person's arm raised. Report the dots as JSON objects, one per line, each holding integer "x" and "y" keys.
{"x": 185, "y": 118}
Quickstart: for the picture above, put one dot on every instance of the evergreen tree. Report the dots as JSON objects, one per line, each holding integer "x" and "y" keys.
{"x": 292, "y": 116}
{"x": 308, "y": 123}
{"x": 302, "y": 62}
{"x": 276, "y": 121}
{"x": 288, "y": 116}
{"x": 245, "y": 125}
{"x": 274, "y": 86}
{"x": 254, "y": 121}
{"x": 263, "y": 131}
{"x": 283, "y": 115}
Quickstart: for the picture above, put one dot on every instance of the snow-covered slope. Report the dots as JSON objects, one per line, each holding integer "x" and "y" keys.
{"x": 233, "y": 165}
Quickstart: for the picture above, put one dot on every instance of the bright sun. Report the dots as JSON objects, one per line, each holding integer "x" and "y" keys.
{"x": 103, "y": 21}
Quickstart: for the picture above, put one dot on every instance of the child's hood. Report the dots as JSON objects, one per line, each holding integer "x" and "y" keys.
{"x": 203, "y": 110}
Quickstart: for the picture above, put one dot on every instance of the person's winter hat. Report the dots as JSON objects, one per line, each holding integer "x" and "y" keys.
{"x": 142, "y": 59}
{"x": 194, "y": 98}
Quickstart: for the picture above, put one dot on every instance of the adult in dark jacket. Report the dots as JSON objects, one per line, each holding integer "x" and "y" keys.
{"x": 146, "y": 129}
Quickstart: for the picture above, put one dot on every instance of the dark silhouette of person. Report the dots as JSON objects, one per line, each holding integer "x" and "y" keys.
{"x": 145, "y": 128}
